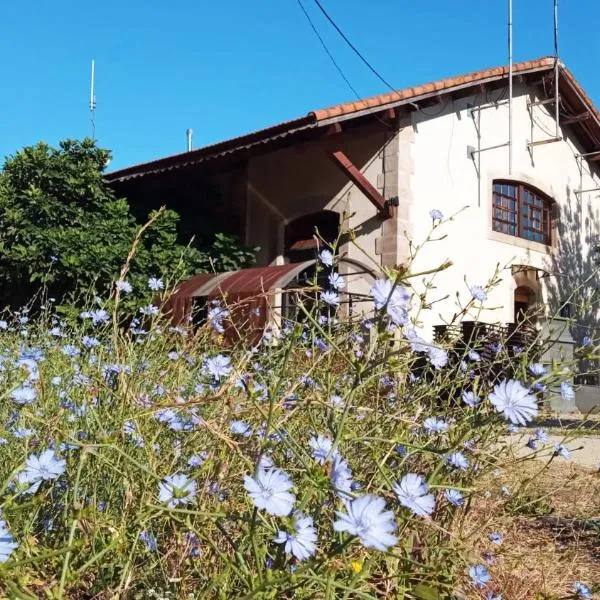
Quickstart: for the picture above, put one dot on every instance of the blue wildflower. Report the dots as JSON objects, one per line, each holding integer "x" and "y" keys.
{"x": 470, "y": 399}
{"x": 417, "y": 344}
{"x": 496, "y": 537}
{"x": 270, "y": 491}
{"x": 367, "y": 519}
{"x": 7, "y": 542}
{"x": 435, "y": 425}
{"x": 336, "y": 281}
{"x": 560, "y": 450}
{"x": 218, "y": 366}
{"x": 197, "y": 460}
{"x": 23, "y": 432}
{"x": 532, "y": 443}
{"x": 44, "y": 467}
{"x": 238, "y": 427}
{"x": 326, "y": 257}
{"x": 542, "y": 435}
{"x": 437, "y": 356}
{"x": 216, "y": 315}
{"x": 474, "y": 355}
{"x": 394, "y": 297}
{"x": 336, "y": 401}
{"x": 149, "y": 311}
{"x": 581, "y": 590}
{"x": 514, "y": 401}
{"x": 330, "y": 298}
{"x": 321, "y": 448}
{"x": 123, "y": 286}
{"x": 149, "y": 541}
{"x": 24, "y": 394}
{"x": 90, "y": 342}
{"x": 537, "y": 369}
{"x": 341, "y": 476}
{"x": 479, "y": 575}
{"x": 177, "y": 489}
{"x": 566, "y": 391}
{"x": 192, "y": 544}
{"x": 454, "y": 497}
{"x": 436, "y": 214}
{"x": 99, "y": 316}
{"x": 478, "y": 293}
{"x": 265, "y": 462}
{"x": 458, "y": 460}
{"x": 155, "y": 284}
{"x": 412, "y": 492}
{"x": 303, "y": 543}
{"x": 70, "y": 351}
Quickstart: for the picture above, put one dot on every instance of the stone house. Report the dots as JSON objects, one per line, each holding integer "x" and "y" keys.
{"x": 522, "y": 184}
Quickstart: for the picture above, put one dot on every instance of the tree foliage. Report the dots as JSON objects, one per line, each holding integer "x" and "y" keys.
{"x": 62, "y": 226}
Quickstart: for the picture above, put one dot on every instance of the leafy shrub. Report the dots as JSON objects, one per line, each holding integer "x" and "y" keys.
{"x": 336, "y": 459}
{"x": 63, "y": 226}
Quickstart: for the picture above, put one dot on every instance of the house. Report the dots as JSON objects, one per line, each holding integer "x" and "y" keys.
{"x": 378, "y": 166}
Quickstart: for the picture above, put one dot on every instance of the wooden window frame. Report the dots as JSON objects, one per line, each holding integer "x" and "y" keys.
{"x": 525, "y": 197}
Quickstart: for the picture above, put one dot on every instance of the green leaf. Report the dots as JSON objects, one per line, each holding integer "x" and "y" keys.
{"x": 425, "y": 592}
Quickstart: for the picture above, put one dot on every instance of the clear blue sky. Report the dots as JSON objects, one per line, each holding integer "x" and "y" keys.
{"x": 232, "y": 66}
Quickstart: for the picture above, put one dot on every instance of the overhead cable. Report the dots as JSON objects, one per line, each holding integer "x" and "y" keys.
{"x": 354, "y": 48}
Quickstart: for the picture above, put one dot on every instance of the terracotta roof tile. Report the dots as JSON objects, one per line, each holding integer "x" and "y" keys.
{"x": 428, "y": 88}
{"x": 315, "y": 118}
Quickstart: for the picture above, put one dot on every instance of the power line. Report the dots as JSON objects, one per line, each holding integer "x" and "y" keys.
{"x": 354, "y": 48}
{"x": 337, "y": 66}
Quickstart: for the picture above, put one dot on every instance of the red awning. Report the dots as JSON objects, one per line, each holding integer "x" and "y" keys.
{"x": 246, "y": 294}
{"x": 251, "y": 285}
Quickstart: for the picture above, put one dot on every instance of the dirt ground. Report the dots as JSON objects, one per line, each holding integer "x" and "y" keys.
{"x": 550, "y": 523}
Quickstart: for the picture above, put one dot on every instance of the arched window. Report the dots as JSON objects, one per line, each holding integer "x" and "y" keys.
{"x": 522, "y": 211}
{"x": 300, "y": 243}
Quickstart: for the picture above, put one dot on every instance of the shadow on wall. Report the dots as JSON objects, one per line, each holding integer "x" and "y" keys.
{"x": 573, "y": 280}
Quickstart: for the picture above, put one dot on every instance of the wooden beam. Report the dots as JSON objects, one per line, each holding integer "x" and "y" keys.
{"x": 575, "y": 118}
{"x": 594, "y": 158}
{"x": 389, "y": 114}
{"x": 334, "y": 129}
{"x": 361, "y": 182}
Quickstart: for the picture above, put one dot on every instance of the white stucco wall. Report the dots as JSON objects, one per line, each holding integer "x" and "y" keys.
{"x": 445, "y": 178}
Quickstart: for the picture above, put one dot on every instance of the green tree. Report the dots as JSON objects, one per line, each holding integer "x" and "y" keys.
{"x": 62, "y": 226}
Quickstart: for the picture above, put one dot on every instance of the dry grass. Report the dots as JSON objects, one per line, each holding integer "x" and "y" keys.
{"x": 548, "y": 544}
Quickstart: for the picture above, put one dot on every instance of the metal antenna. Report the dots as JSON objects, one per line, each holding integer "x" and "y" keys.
{"x": 510, "y": 87}
{"x": 556, "y": 73}
{"x": 93, "y": 102}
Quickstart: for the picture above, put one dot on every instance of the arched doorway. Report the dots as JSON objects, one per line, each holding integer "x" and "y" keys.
{"x": 300, "y": 243}
{"x": 525, "y": 302}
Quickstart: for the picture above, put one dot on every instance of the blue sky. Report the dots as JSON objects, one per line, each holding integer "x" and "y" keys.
{"x": 233, "y": 66}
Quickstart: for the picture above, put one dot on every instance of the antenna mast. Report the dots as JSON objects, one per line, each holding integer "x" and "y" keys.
{"x": 556, "y": 72}
{"x": 93, "y": 102}
{"x": 510, "y": 87}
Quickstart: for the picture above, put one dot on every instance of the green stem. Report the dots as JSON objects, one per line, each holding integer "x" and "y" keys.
{"x": 65, "y": 569}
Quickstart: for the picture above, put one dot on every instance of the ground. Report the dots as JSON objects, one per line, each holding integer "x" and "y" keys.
{"x": 551, "y": 527}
